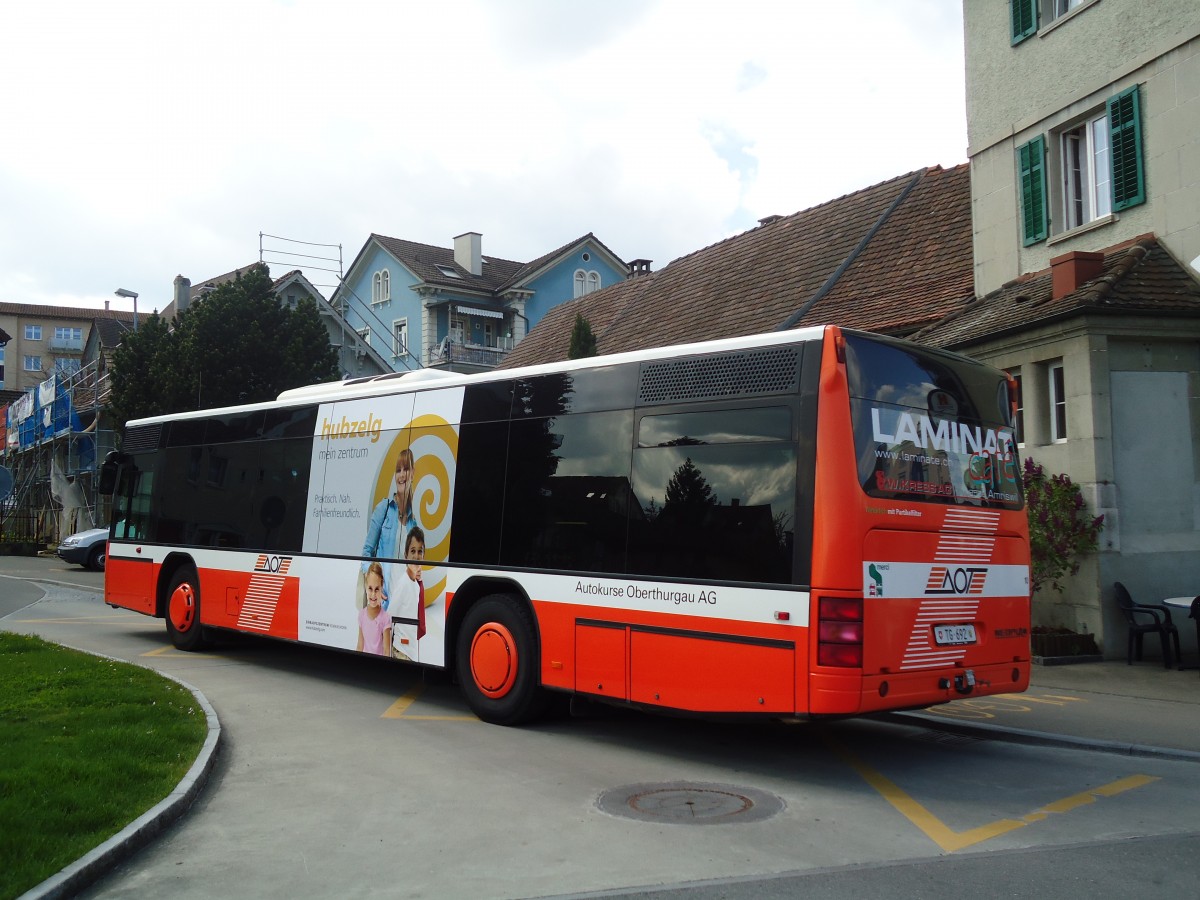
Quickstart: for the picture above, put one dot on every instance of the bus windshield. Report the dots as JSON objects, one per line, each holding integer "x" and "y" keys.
{"x": 931, "y": 426}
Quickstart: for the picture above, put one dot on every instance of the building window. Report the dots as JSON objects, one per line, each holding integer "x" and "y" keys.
{"x": 1019, "y": 419}
{"x": 586, "y": 282}
{"x": 1101, "y": 167}
{"x": 400, "y": 337}
{"x": 458, "y": 330}
{"x": 33, "y": 332}
{"x": 68, "y": 334}
{"x": 66, "y": 365}
{"x": 1060, "y": 8}
{"x": 1058, "y": 403}
{"x": 33, "y": 364}
{"x": 381, "y": 286}
{"x": 1086, "y": 172}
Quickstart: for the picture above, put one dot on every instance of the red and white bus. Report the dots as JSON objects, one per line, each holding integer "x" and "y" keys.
{"x": 805, "y": 523}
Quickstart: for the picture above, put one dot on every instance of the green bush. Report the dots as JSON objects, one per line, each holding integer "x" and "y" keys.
{"x": 1061, "y": 530}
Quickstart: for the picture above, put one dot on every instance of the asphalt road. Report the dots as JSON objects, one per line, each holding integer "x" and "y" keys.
{"x": 353, "y": 777}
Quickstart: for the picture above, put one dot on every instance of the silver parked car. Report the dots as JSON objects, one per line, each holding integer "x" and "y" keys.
{"x": 86, "y": 548}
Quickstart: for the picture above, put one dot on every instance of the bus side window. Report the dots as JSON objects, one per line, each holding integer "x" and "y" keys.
{"x": 568, "y": 491}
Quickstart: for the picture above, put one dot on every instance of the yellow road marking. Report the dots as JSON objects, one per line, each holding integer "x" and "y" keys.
{"x": 399, "y": 709}
{"x": 1051, "y": 699}
{"x": 950, "y": 840}
{"x": 190, "y": 654}
{"x": 69, "y": 619}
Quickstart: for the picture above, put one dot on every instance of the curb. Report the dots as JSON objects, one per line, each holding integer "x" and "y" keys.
{"x": 141, "y": 831}
{"x": 1023, "y": 736}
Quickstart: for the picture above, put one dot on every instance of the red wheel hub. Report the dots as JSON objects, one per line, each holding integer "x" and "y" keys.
{"x": 182, "y": 608}
{"x": 494, "y": 660}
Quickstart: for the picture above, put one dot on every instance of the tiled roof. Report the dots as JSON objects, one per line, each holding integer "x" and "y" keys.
{"x": 916, "y": 269}
{"x": 890, "y": 257}
{"x": 423, "y": 261}
{"x": 532, "y": 267}
{"x": 63, "y": 312}
{"x": 111, "y": 332}
{"x": 1140, "y": 277}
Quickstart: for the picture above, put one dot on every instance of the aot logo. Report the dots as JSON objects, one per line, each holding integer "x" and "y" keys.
{"x": 945, "y": 580}
{"x": 272, "y": 565}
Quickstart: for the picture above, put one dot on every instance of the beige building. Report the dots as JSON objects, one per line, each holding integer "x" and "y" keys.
{"x": 1084, "y": 132}
{"x": 1086, "y": 87}
{"x": 43, "y": 340}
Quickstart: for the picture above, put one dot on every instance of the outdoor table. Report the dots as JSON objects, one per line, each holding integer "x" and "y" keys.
{"x": 1184, "y": 604}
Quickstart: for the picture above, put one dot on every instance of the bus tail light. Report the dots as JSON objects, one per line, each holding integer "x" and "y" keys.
{"x": 840, "y": 632}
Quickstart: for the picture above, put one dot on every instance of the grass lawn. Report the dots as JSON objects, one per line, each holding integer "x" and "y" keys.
{"x": 86, "y": 746}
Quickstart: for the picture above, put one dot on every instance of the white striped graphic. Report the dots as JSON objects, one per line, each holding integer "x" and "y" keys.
{"x": 922, "y": 652}
{"x": 968, "y": 536}
{"x": 262, "y": 596}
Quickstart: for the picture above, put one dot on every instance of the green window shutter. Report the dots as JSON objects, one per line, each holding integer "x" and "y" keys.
{"x": 1031, "y": 160}
{"x": 1024, "y": 19}
{"x": 1125, "y": 127}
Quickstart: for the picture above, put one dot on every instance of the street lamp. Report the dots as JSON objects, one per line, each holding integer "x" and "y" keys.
{"x": 132, "y": 295}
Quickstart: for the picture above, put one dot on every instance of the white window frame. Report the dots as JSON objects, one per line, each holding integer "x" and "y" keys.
{"x": 33, "y": 332}
{"x": 1056, "y": 389}
{"x": 586, "y": 281}
{"x": 400, "y": 337}
{"x": 32, "y": 363}
{"x": 68, "y": 365}
{"x": 1085, "y": 171}
{"x": 460, "y": 329}
{"x": 381, "y": 287}
{"x": 1019, "y": 419}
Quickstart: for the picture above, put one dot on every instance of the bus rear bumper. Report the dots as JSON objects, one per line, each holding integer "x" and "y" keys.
{"x": 855, "y": 694}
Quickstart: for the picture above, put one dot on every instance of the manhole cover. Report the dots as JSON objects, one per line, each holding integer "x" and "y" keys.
{"x": 688, "y": 803}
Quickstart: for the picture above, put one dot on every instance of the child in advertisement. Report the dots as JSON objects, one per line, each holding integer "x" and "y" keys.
{"x": 390, "y": 520}
{"x": 407, "y": 606}
{"x": 374, "y": 625}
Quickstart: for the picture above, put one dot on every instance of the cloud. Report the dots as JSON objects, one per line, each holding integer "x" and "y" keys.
{"x": 150, "y": 139}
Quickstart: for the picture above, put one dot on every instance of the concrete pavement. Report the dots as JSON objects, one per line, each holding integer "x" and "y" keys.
{"x": 1105, "y": 706}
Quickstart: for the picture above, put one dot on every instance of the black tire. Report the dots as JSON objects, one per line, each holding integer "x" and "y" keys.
{"x": 182, "y": 611}
{"x": 497, "y": 661}
{"x": 97, "y": 557}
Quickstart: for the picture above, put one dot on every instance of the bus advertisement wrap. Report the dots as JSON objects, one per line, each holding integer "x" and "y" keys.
{"x": 382, "y": 487}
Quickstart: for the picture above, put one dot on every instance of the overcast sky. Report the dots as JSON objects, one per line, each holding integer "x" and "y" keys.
{"x": 142, "y": 139}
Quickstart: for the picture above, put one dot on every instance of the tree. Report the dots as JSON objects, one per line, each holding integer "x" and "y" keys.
{"x": 238, "y": 344}
{"x": 688, "y": 488}
{"x": 583, "y": 342}
{"x": 1061, "y": 530}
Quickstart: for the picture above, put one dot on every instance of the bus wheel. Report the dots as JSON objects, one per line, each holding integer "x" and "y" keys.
{"x": 497, "y": 661}
{"x": 183, "y": 611}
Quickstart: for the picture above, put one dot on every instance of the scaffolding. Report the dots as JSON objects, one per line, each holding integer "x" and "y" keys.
{"x": 55, "y": 437}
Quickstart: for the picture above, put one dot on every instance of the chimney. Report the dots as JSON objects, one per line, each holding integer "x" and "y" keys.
{"x": 183, "y": 293}
{"x": 1071, "y": 270}
{"x": 468, "y": 252}
{"x": 639, "y": 267}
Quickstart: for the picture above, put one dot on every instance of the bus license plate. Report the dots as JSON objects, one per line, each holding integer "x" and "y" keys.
{"x": 954, "y": 634}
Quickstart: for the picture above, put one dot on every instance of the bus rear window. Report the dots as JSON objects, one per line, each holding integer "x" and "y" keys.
{"x": 931, "y": 426}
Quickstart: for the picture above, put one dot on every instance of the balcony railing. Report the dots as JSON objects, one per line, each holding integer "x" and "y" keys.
{"x": 57, "y": 343}
{"x": 450, "y": 351}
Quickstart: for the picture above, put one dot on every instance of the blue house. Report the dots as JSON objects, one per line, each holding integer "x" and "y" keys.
{"x": 417, "y": 305}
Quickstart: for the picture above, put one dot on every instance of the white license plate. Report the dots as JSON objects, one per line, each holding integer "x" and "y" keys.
{"x": 954, "y": 634}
